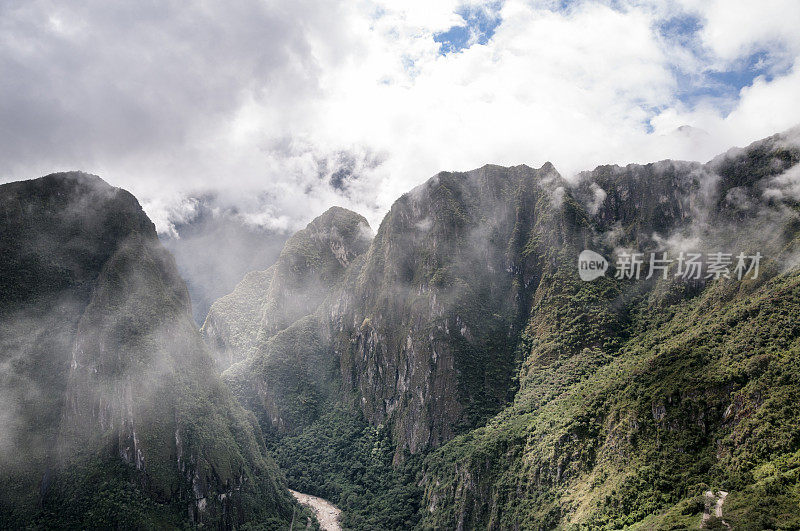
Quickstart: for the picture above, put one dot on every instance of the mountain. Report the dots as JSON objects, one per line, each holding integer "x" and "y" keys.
{"x": 451, "y": 371}
{"x": 685, "y": 390}
{"x": 459, "y": 374}
{"x": 400, "y": 317}
{"x": 267, "y": 302}
{"x": 114, "y": 415}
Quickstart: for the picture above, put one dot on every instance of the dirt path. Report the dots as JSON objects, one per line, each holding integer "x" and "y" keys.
{"x": 327, "y": 513}
{"x": 717, "y": 500}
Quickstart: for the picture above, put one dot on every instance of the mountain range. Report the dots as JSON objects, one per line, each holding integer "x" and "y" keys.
{"x": 450, "y": 370}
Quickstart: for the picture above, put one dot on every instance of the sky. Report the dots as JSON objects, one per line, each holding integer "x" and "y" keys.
{"x": 281, "y": 109}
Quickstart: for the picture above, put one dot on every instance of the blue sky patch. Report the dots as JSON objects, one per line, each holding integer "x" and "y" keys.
{"x": 682, "y": 29}
{"x": 479, "y": 28}
{"x": 721, "y": 87}
{"x": 724, "y": 86}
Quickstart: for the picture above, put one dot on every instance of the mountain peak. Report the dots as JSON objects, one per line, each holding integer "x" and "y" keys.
{"x": 311, "y": 263}
{"x": 74, "y": 175}
{"x": 95, "y": 306}
{"x": 340, "y": 217}
{"x": 66, "y": 184}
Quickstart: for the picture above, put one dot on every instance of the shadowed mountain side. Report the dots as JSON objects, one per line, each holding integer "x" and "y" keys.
{"x": 421, "y": 331}
{"x": 635, "y": 396}
{"x": 121, "y": 419}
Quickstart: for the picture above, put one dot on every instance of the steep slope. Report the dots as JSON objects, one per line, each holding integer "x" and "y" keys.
{"x": 701, "y": 396}
{"x": 287, "y": 374}
{"x": 428, "y": 325}
{"x": 421, "y": 332}
{"x": 115, "y": 414}
{"x": 690, "y": 386}
{"x": 538, "y": 400}
{"x": 265, "y": 302}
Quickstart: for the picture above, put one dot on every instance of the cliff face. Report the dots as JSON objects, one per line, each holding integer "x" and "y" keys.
{"x": 111, "y": 380}
{"x": 424, "y": 332}
{"x": 311, "y": 263}
{"x": 274, "y": 324}
{"x": 636, "y": 397}
{"x": 541, "y": 400}
{"x": 426, "y": 328}
{"x": 420, "y": 332}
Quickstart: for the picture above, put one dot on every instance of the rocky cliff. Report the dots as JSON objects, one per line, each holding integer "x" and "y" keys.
{"x": 311, "y": 263}
{"x": 540, "y": 400}
{"x": 421, "y": 331}
{"x": 426, "y": 329}
{"x": 116, "y": 416}
{"x": 636, "y": 397}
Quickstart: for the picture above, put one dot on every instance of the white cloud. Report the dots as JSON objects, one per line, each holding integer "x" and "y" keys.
{"x": 262, "y": 99}
{"x": 734, "y": 28}
{"x": 764, "y": 108}
{"x": 167, "y": 211}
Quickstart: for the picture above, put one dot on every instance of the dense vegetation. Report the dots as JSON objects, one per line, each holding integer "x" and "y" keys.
{"x": 454, "y": 373}
{"x": 343, "y": 459}
{"x": 637, "y": 398}
{"x": 559, "y": 403}
{"x": 702, "y": 396}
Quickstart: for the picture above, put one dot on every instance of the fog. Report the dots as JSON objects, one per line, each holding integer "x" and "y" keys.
{"x": 215, "y": 246}
{"x": 742, "y": 201}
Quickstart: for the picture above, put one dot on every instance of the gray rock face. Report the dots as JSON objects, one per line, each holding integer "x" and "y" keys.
{"x": 264, "y": 303}
{"x": 426, "y": 330}
{"x": 623, "y": 378}
{"x": 419, "y": 332}
{"x": 427, "y": 326}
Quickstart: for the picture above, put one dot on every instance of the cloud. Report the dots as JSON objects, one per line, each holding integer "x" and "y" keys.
{"x": 598, "y": 196}
{"x": 730, "y": 35}
{"x": 309, "y": 104}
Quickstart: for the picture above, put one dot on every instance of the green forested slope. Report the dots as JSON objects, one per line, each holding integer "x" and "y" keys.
{"x": 637, "y": 398}
{"x": 513, "y": 395}
{"x": 702, "y": 395}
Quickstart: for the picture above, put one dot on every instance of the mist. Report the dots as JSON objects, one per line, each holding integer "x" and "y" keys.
{"x": 215, "y": 245}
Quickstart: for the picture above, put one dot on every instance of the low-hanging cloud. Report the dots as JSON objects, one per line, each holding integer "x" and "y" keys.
{"x": 318, "y": 103}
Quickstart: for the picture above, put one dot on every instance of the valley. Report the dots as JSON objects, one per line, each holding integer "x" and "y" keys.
{"x": 449, "y": 369}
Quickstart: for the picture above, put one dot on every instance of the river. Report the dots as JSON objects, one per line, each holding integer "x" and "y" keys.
{"x": 327, "y": 513}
